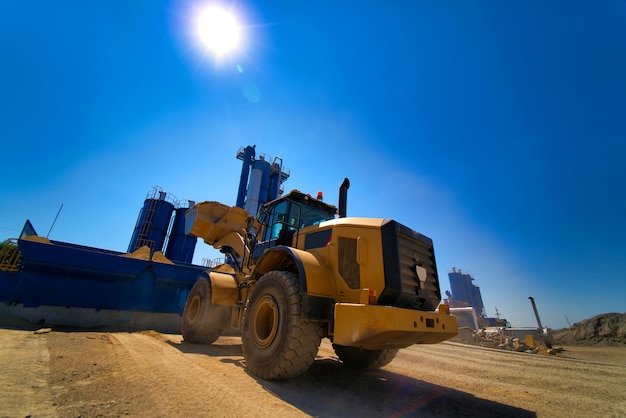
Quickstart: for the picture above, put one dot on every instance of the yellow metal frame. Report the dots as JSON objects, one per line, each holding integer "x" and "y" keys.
{"x": 10, "y": 256}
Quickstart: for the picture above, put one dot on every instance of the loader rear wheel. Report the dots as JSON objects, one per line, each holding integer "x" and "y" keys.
{"x": 357, "y": 358}
{"x": 276, "y": 342}
{"x": 200, "y": 315}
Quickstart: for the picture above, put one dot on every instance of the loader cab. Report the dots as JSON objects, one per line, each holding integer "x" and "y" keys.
{"x": 281, "y": 219}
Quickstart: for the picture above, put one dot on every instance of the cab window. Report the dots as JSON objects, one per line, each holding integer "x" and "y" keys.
{"x": 274, "y": 221}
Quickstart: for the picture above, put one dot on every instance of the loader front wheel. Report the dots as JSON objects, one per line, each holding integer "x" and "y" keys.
{"x": 357, "y": 358}
{"x": 276, "y": 342}
{"x": 200, "y": 316}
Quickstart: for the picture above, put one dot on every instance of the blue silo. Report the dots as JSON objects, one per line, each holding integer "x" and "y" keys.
{"x": 277, "y": 176}
{"x": 258, "y": 187}
{"x": 153, "y": 221}
{"x": 465, "y": 292}
{"x": 260, "y": 181}
{"x": 263, "y": 165}
{"x": 180, "y": 246}
{"x": 247, "y": 156}
{"x": 274, "y": 185}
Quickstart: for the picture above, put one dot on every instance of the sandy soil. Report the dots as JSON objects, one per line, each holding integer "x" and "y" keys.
{"x": 69, "y": 373}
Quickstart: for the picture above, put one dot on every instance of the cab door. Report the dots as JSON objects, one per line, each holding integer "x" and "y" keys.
{"x": 278, "y": 225}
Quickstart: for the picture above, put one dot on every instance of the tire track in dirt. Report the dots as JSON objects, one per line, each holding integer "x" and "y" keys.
{"x": 24, "y": 360}
{"x": 201, "y": 381}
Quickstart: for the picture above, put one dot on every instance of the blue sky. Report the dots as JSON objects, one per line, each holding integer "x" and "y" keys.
{"x": 496, "y": 128}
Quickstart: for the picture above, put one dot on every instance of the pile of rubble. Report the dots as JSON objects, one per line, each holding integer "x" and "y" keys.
{"x": 606, "y": 329}
{"x": 498, "y": 338}
{"x": 526, "y": 340}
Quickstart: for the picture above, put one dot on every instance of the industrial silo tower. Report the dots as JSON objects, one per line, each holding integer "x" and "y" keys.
{"x": 464, "y": 292}
{"x": 153, "y": 221}
{"x": 263, "y": 177}
{"x": 180, "y": 246}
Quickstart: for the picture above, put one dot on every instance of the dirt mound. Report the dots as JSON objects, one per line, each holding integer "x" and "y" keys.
{"x": 606, "y": 329}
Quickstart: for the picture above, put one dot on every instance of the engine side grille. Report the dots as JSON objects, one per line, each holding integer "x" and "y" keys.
{"x": 409, "y": 255}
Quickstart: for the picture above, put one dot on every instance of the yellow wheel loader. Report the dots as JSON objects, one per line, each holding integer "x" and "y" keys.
{"x": 302, "y": 271}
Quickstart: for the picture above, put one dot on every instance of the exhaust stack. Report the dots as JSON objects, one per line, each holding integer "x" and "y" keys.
{"x": 343, "y": 197}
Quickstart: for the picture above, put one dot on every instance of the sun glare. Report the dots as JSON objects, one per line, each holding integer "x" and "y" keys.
{"x": 217, "y": 30}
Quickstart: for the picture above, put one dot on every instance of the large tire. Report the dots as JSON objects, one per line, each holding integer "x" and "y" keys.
{"x": 202, "y": 321}
{"x": 357, "y": 358}
{"x": 277, "y": 343}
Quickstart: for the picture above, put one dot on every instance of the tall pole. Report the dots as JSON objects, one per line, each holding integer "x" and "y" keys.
{"x": 55, "y": 220}
{"x": 543, "y": 340}
{"x": 532, "y": 301}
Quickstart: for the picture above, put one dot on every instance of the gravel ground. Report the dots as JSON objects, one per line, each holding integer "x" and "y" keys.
{"x": 71, "y": 373}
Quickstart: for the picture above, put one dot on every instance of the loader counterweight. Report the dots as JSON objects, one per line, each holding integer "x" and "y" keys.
{"x": 375, "y": 327}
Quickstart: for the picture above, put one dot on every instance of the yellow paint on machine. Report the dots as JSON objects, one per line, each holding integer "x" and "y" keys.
{"x": 224, "y": 289}
{"x": 375, "y": 327}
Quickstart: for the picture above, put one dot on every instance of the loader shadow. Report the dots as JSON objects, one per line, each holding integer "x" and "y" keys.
{"x": 330, "y": 389}
{"x": 220, "y": 348}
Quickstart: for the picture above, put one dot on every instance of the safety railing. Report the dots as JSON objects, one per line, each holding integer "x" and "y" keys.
{"x": 212, "y": 263}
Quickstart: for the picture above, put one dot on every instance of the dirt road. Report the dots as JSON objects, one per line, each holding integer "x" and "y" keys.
{"x": 88, "y": 374}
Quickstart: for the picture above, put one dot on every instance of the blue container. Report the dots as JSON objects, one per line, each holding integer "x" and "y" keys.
{"x": 70, "y": 275}
{"x": 180, "y": 246}
{"x": 153, "y": 221}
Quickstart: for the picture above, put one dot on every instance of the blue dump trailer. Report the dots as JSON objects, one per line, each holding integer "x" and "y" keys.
{"x": 58, "y": 283}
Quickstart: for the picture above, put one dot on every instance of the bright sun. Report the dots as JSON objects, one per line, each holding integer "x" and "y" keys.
{"x": 217, "y": 30}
